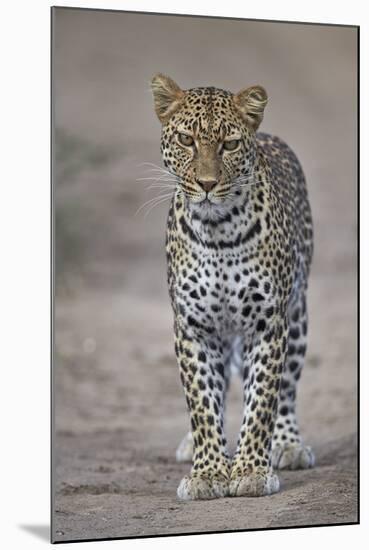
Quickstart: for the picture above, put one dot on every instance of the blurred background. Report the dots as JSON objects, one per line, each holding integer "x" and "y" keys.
{"x": 119, "y": 408}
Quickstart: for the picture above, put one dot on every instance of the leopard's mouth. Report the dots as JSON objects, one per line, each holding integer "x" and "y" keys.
{"x": 206, "y": 197}
{"x": 207, "y": 200}
{"x": 200, "y": 198}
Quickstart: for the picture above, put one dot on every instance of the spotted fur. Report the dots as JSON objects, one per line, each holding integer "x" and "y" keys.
{"x": 239, "y": 247}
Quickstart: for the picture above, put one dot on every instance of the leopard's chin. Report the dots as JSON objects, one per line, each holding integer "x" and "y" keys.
{"x": 209, "y": 208}
{"x": 208, "y": 201}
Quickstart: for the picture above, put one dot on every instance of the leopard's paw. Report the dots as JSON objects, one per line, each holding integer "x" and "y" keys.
{"x": 185, "y": 449}
{"x": 254, "y": 485}
{"x": 203, "y": 487}
{"x": 292, "y": 457}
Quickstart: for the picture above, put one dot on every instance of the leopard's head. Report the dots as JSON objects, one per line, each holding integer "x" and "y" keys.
{"x": 208, "y": 138}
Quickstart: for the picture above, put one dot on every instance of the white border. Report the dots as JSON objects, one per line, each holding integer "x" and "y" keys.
{"x": 25, "y": 200}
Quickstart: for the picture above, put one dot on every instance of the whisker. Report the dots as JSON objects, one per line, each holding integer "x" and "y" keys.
{"x": 226, "y": 194}
{"x": 158, "y": 178}
{"x": 161, "y": 201}
{"x": 156, "y": 168}
{"x": 160, "y": 186}
{"x": 153, "y": 200}
{"x": 150, "y": 164}
{"x": 160, "y": 171}
{"x": 248, "y": 184}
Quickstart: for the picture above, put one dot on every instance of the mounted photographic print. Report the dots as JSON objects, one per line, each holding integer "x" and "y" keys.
{"x": 204, "y": 176}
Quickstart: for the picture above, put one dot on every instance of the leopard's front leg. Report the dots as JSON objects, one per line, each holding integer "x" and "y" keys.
{"x": 252, "y": 472}
{"x": 201, "y": 367}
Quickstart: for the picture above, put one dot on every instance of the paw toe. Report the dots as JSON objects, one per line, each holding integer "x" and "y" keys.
{"x": 202, "y": 487}
{"x": 254, "y": 485}
{"x": 293, "y": 457}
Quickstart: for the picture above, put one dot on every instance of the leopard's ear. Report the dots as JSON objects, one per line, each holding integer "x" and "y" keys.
{"x": 167, "y": 96}
{"x": 251, "y": 104}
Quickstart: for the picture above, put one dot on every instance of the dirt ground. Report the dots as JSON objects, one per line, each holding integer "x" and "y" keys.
{"x": 118, "y": 403}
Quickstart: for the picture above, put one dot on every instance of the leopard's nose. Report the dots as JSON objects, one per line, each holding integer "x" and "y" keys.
{"x": 207, "y": 184}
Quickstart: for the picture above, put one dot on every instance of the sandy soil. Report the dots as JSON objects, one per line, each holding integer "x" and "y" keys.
{"x": 119, "y": 407}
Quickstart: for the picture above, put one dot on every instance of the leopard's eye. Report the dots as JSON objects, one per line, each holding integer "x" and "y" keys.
{"x": 231, "y": 145}
{"x": 185, "y": 140}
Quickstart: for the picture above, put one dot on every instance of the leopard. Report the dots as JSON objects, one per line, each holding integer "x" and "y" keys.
{"x": 239, "y": 247}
